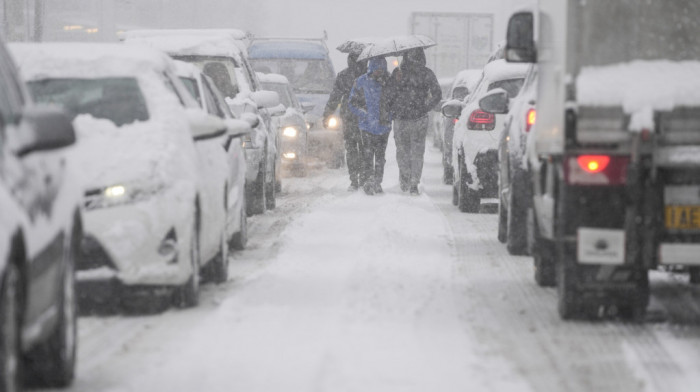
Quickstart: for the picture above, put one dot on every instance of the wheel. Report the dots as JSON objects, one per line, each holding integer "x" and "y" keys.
{"x": 694, "y": 273}
{"x": 467, "y": 199}
{"x": 636, "y": 308}
{"x": 240, "y": 238}
{"x": 187, "y": 296}
{"x": 52, "y": 363}
{"x": 217, "y": 270}
{"x": 271, "y": 192}
{"x": 256, "y": 194}
{"x": 11, "y": 315}
{"x": 543, "y": 256}
{"x": 568, "y": 303}
{"x": 516, "y": 230}
{"x": 502, "y": 222}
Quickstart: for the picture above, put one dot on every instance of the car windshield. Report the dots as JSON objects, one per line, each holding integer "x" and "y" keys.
{"x": 191, "y": 85}
{"x": 117, "y": 99}
{"x": 306, "y": 76}
{"x": 220, "y": 69}
{"x": 512, "y": 86}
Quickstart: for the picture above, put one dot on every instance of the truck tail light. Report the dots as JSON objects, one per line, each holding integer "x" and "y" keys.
{"x": 596, "y": 170}
{"x": 530, "y": 119}
{"x": 481, "y": 120}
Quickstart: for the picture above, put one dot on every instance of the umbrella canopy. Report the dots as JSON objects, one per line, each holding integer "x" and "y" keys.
{"x": 356, "y": 45}
{"x": 395, "y": 46}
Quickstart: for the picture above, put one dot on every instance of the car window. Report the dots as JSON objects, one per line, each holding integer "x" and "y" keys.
{"x": 117, "y": 99}
{"x": 191, "y": 85}
{"x": 218, "y": 97}
{"x": 212, "y": 107}
{"x": 221, "y": 70}
{"x": 280, "y": 89}
{"x": 512, "y": 86}
{"x": 460, "y": 92}
{"x": 250, "y": 76}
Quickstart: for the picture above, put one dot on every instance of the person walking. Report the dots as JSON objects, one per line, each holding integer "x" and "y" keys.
{"x": 369, "y": 102}
{"x": 416, "y": 91}
{"x": 351, "y": 131}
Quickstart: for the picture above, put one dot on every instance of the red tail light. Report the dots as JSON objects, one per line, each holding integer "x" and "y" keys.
{"x": 481, "y": 120}
{"x": 455, "y": 120}
{"x": 530, "y": 120}
{"x": 596, "y": 170}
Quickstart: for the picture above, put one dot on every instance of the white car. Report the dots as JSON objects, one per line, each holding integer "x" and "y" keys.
{"x": 221, "y": 55}
{"x": 40, "y": 231}
{"x": 474, "y": 144}
{"x": 151, "y": 160}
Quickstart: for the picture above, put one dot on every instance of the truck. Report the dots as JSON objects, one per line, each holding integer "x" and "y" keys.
{"x": 465, "y": 40}
{"x": 614, "y": 156}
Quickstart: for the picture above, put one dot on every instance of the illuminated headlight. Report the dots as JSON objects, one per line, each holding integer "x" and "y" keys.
{"x": 289, "y": 155}
{"x": 333, "y": 122}
{"x": 290, "y": 132}
{"x": 119, "y": 194}
{"x": 116, "y": 191}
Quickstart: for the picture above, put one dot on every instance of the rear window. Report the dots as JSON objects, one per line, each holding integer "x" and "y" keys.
{"x": 512, "y": 86}
{"x": 119, "y": 100}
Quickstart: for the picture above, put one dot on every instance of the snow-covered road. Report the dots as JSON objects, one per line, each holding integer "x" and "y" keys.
{"x": 341, "y": 291}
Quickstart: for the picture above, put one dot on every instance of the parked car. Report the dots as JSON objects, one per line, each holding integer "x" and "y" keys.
{"x": 221, "y": 55}
{"x": 155, "y": 174}
{"x": 514, "y": 182}
{"x": 464, "y": 84}
{"x": 40, "y": 232}
{"x": 475, "y": 146}
{"x": 308, "y": 67}
{"x": 210, "y": 99}
{"x": 435, "y": 115}
{"x": 290, "y": 124}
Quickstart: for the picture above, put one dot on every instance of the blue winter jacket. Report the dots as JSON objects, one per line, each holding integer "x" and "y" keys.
{"x": 367, "y": 101}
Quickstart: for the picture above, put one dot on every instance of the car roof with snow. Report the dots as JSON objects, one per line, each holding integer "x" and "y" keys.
{"x": 502, "y": 70}
{"x": 291, "y": 49}
{"x": 86, "y": 60}
{"x": 272, "y": 78}
{"x": 188, "y": 70}
{"x": 205, "y": 42}
{"x": 469, "y": 78}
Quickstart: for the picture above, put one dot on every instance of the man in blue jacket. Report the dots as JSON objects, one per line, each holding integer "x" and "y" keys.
{"x": 369, "y": 102}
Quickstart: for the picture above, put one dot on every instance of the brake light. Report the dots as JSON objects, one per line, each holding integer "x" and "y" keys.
{"x": 596, "y": 170}
{"x": 530, "y": 120}
{"x": 593, "y": 163}
{"x": 481, "y": 120}
{"x": 455, "y": 120}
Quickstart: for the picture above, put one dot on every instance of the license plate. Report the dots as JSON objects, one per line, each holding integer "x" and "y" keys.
{"x": 683, "y": 217}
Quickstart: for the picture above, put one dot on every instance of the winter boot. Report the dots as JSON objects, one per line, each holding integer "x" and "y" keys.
{"x": 414, "y": 190}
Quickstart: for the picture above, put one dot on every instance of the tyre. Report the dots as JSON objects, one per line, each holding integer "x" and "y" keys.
{"x": 516, "y": 230}
{"x": 52, "y": 363}
{"x": 635, "y": 310}
{"x": 10, "y": 316}
{"x": 256, "y": 195}
{"x": 217, "y": 270}
{"x": 694, "y": 273}
{"x": 467, "y": 199}
{"x": 568, "y": 302}
{"x": 187, "y": 296}
{"x": 271, "y": 192}
{"x": 543, "y": 257}
{"x": 240, "y": 238}
{"x": 502, "y": 222}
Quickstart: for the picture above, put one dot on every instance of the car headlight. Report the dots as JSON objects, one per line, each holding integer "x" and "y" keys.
{"x": 119, "y": 194}
{"x": 333, "y": 122}
{"x": 290, "y": 132}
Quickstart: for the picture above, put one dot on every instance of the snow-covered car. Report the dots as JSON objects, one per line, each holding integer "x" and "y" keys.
{"x": 435, "y": 116}
{"x": 474, "y": 144}
{"x": 210, "y": 99}
{"x": 40, "y": 231}
{"x": 308, "y": 67}
{"x": 153, "y": 169}
{"x": 514, "y": 179}
{"x": 221, "y": 55}
{"x": 290, "y": 123}
{"x": 464, "y": 84}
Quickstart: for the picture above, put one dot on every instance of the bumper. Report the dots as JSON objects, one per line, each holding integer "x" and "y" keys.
{"x": 126, "y": 243}
{"x": 293, "y": 150}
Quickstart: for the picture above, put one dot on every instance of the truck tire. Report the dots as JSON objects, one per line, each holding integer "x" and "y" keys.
{"x": 568, "y": 302}
{"x": 694, "y": 273}
{"x": 543, "y": 256}
{"x": 516, "y": 231}
{"x": 502, "y": 222}
{"x": 635, "y": 310}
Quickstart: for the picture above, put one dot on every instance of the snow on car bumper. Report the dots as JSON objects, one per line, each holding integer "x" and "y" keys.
{"x": 126, "y": 243}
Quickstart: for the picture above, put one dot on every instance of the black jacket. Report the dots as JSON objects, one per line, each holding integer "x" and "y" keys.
{"x": 414, "y": 88}
{"x": 342, "y": 87}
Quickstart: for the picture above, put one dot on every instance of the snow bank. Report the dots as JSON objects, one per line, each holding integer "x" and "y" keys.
{"x": 641, "y": 87}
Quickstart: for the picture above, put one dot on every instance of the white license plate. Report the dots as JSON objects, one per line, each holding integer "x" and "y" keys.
{"x": 601, "y": 246}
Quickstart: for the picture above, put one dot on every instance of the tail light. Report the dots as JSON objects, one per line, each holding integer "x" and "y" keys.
{"x": 455, "y": 121}
{"x": 530, "y": 119}
{"x": 480, "y": 120}
{"x": 596, "y": 170}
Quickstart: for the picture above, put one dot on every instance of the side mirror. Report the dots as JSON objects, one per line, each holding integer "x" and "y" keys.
{"x": 307, "y": 107}
{"x": 265, "y": 99}
{"x": 278, "y": 110}
{"x": 495, "y": 101}
{"x": 203, "y": 125}
{"x": 520, "y": 39}
{"x": 252, "y": 119}
{"x": 51, "y": 129}
{"x": 452, "y": 108}
{"x": 237, "y": 128}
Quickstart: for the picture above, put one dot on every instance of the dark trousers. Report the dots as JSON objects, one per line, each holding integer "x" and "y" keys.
{"x": 373, "y": 156}
{"x": 353, "y": 152}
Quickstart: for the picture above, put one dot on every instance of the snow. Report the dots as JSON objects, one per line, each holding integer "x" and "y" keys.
{"x": 272, "y": 78}
{"x": 641, "y": 87}
{"x": 184, "y": 44}
{"x": 469, "y": 78}
{"x": 502, "y": 70}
